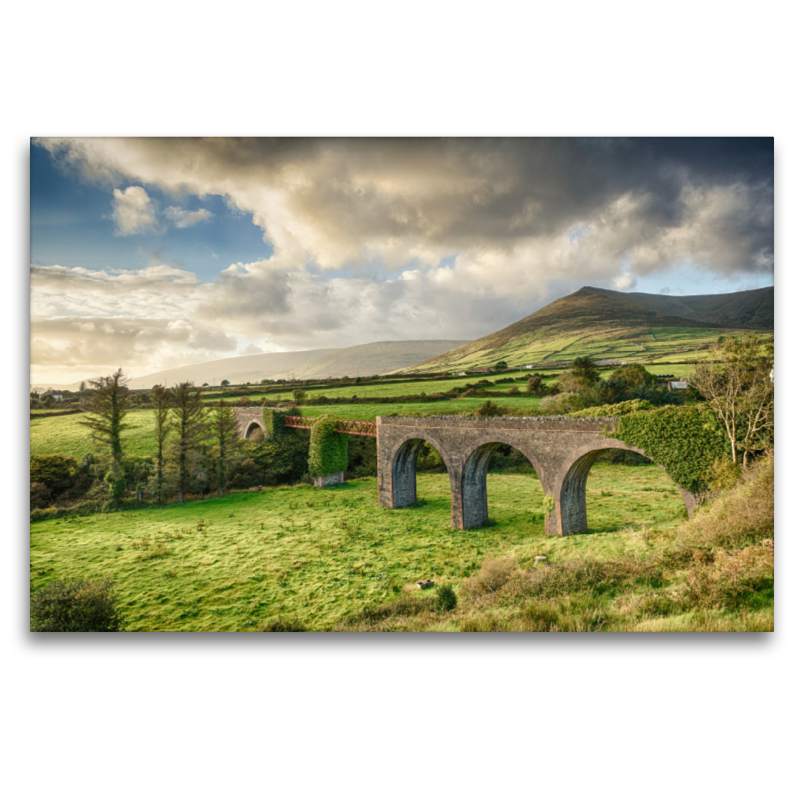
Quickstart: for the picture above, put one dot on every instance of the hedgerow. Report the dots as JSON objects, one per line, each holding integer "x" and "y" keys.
{"x": 327, "y": 452}
{"x": 685, "y": 440}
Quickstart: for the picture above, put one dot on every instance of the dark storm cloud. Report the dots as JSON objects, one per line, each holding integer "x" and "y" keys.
{"x": 334, "y": 198}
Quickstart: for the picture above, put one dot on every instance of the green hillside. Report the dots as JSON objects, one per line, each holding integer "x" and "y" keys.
{"x": 754, "y": 308}
{"x": 585, "y": 324}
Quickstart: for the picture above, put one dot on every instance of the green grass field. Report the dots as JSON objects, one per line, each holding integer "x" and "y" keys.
{"x": 65, "y": 435}
{"x": 317, "y": 555}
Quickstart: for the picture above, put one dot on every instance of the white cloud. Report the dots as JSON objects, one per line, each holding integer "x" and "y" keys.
{"x": 186, "y": 219}
{"x": 360, "y": 229}
{"x": 134, "y": 211}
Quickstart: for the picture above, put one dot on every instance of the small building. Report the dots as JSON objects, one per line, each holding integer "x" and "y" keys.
{"x": 481, "y": 370}
{"x": 678, "y": 386}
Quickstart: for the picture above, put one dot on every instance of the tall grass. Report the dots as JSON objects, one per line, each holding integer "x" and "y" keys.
{"x": 714, "y": 572}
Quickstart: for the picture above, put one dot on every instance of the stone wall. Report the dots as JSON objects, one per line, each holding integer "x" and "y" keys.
{"x": 561, "y": 450}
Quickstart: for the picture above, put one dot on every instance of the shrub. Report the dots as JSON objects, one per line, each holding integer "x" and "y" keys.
{"x": 76, "y": 606}
{"x": 40, "y": 495}
{"x": 741, "y": 516}
{"x": 446, "y": 599}
{"x": 614, "y": 409}
{"x": 243, "y": 473}
{"x": 489, "y": 409}
{"x": 55, "y": 471}
{"x": 723, "y": 474}
{"x": 558, "y": 404}
{"x": 494, "y": 574}
{"x": 731, "y": 578}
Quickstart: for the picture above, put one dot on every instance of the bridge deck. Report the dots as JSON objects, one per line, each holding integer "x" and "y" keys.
{"x": 353, "y": 426}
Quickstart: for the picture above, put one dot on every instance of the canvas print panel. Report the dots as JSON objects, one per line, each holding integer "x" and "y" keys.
{"x": 457, "y": 385}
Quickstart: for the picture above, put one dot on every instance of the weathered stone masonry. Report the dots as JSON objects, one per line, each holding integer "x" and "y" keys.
{"x": 561, "y": 450}
{"x": 248, "y": 420}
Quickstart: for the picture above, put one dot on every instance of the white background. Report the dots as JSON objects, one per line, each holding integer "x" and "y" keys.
{"x": 559, "y": 716}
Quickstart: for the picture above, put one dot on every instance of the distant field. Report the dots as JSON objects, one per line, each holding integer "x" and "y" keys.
{"x": 397, "y": 389}
{"x": 368, "y": 411}
{"x": 231, "y": 563}
{"x": 646, "y": 344}
{"x": 64, "y": 434}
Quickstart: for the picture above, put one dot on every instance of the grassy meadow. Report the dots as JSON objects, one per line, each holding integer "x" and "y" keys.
{"x": 317, "y": 556}
{"x": 67, "y": 436}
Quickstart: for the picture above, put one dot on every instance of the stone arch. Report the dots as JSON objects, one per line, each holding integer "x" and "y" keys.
{"x": 403, "y": 467}
{"x": 473, "y": 493}
{"x": 252, "y": 427}
{"x": 569, "y": 486}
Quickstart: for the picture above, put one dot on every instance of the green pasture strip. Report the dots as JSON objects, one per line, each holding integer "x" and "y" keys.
{"x": 406, "y": 388}
{"x": 318, "y": 554}
{"x": 64, "y": 435}
{"x": 368, "y": 411}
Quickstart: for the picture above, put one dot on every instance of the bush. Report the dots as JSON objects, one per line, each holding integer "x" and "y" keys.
{"x": 494, "y": 574}
{"x": 614, "y": 409}
{"x": 559, "y": 404}
{"x": 489, "y": 409}
{"x": 40, "y": 495}
{"x": 446, "y": 599}
{"x": 76, "y": 606}
{"x": 55, "y": 471}
{"x": 243, "y": 473}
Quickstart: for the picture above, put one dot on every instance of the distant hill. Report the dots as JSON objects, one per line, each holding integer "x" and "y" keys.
{"x": 754, "y": 308}
{"x": 236, "y": 370}
{"x": 604, "y": 324}
{"x": 366, "y": 359}
{"x": 376, "y": 358}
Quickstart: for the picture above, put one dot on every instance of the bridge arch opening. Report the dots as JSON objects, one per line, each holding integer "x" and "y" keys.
{"x": 474, "y": 489}
{"x": 408, "y": 456}
{"x": 572, "y": 482}
{"x": 254, "y": 432}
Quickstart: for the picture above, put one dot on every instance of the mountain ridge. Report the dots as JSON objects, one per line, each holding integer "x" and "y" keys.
{"x": 603, "y": 323}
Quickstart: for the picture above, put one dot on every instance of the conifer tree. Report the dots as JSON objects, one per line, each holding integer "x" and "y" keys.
{"x": 106, "y": 411}
{"x": 226, "y": 437}
{"x": 162, "y": 403}
{"x": 189, "y": 420}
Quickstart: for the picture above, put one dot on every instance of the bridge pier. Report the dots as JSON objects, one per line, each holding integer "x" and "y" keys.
{"x": 561, "y": 450}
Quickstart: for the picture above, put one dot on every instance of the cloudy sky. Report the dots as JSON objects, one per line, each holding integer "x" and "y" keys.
{"x": 153, "y": 253}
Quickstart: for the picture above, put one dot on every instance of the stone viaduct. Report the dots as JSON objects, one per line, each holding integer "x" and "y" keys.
{"x": 562, "y": 450}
